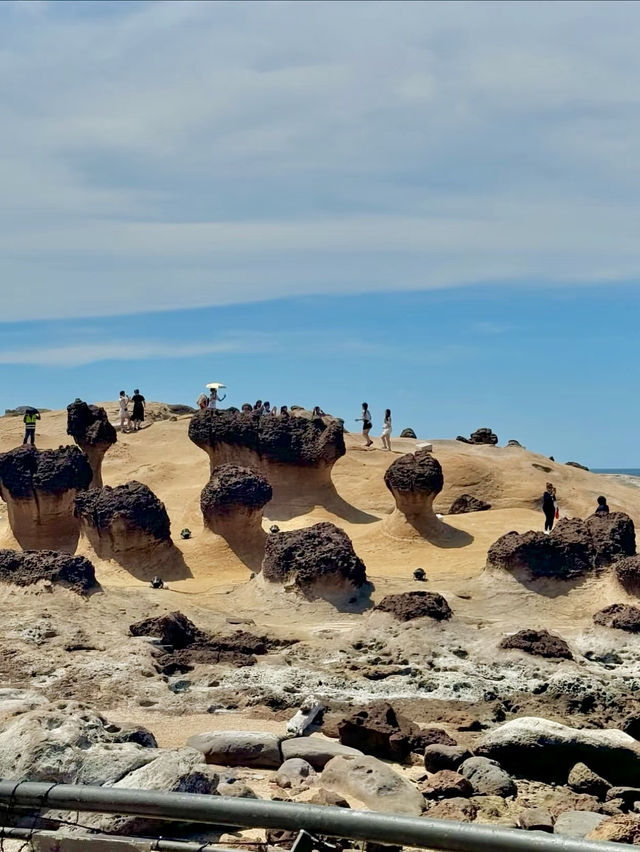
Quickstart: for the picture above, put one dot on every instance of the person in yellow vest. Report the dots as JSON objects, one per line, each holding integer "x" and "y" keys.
{"x": 29, "y": 420}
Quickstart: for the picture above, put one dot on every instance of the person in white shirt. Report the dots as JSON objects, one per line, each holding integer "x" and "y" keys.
{"x": 366, "y": 424}
{"x": 124, "y": 412}
{"x": 214, "y": 399}
{"x": 386, "y": 430}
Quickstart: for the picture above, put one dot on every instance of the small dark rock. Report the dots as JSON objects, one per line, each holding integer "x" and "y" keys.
{"x": 541, "y": 643}
{"x": 408, "y": 433}
{"x": 466, "y": 503}
{"x": 406, "y": 606}
{"x": 620, "y": 617}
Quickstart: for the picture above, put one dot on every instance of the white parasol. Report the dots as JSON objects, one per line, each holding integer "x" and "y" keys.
{"x": 216, "y": 385}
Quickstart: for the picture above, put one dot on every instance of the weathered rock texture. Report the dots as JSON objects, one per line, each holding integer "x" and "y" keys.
{"x": 467, "y": 503}
{"x": 415, "y": 480}
{"x": 541, "y": 643}
{"x": 125, "y": 523}
{"x": 620, "y": 617}
{"x": 373, "y": 783}
{"x": 406, "y": 606}
{"x": 25, "y": 568}
{"x": 628, "y": 574}
{"x": 408, "y": 433}
{"x": 480, "y": 436}
{"x": 232, "y": 503}
{"x": 574, "y": 548}
{"x": 90, "y": 428}
{"x": 318, "y": 561}
{"x": 39, "y": 488}
{"x": 295, "y": 453}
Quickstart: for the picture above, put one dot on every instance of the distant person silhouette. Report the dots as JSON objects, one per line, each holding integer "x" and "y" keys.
{"x": 602, "y": 508}
{"x": 137, "y": 415}
{"x": 549, "y": 507}
{"x": 30, "y": 417}
{"x": 366, "y": 424}
{"x": 386, "y": 430}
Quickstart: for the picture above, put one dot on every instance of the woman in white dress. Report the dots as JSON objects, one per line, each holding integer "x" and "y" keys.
{"x": 125, "y": 417}
{"x": 386, "y": 430}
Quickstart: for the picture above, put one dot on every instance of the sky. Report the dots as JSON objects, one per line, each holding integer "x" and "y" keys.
{"x": 432, "y": 207}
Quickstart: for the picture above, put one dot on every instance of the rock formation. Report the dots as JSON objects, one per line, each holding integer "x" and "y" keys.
{"x": 318, "y": 562}
{"x": 24, "y": 569}
{"x": 39, "y": 488}
{"x": 232, "y": 503}
{"x": 466, "y": 503}
{"x": 613, "y": 536}
{"x": 90, "y": 428}
{"x": 541, "y": 643}
{"x": 628, "y": 574}
{"x": 409, "y": 605}
{"x": 576, "y": 465}
{"x": 295, "y": 453}
{"x": 128, "y": 524}
{"x": 620, "y": 617}
{"x": 480, "y": 436}
{"x": 408, "y": 433}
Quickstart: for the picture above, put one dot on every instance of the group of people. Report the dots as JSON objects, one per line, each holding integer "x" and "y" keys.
{"x": 131, "y": 421}
{"x": 552, "y": 512}
{"x": 210, "y": 403}
{"x": 367, "y": 425}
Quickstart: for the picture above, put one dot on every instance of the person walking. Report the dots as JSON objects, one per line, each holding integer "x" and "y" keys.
{"x": 549, "y": 507}
{"x": 30, "y": 417}
{"x": 137, "y": 415}
{"x": 124, "y": 412}
{"x": 366, "y": 424}
{"x": 386, "y": 431}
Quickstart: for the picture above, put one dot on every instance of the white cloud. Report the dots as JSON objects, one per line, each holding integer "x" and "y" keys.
{"x": 180, "y": 154}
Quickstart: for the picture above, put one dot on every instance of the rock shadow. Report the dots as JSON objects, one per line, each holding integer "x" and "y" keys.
{"x": 289, "y": 504}
{"x": 165, "y": 560}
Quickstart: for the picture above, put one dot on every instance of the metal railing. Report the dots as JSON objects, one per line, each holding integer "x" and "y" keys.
{"x": 288, "y": 816}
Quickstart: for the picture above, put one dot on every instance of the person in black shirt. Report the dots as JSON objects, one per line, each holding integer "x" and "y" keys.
{"x": 549, "y": 507}
{"x": 137, "y": 415}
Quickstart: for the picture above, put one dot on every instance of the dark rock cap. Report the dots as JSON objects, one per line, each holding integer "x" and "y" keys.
{"x": 288, "y": 440}
{"x": 613, "y": 536}
{"x": 541, "y": 643}
{"x": 306, "y": 556}
{"x": 408, "y": 433}
{"x": 232, "y": 486}
{"x": 174, "y": 628}
{"x": 419, "y": 471}
{"x": 467, "y": 503}
{"x": 620, "y": 617}
{"x": 134, "y": 502}
{"x": 27, "y": 469}
{"x": 89, "y": 424}
{"x": 23, "y": 568}
{"x": 409, "y": 605}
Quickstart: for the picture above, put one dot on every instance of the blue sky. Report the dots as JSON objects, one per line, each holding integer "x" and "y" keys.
{"x": 433, "y": 206}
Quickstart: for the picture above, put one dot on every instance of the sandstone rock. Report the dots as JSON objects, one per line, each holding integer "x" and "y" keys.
{"x": 239, "y": 748}
{"x": 564, "y": 555}
{"x": 415, "y": 480}
{"x": 173, "y": 629}
{"x": 437, "y": 757}
{"x": 628, "y": 573}
{"x": 124, "y": 523}
{"x": 318, "y": 561}
{"x": 380, "y": 731}
{"x": 235, "y": 789}
{"x": 577, "y": 465}
{"x": 39, "y": 488}
{"x": 295, "y": 772}
{"x": 620, "y": 617}
{"x": 458, "y": 809}
{"x": 541, "y": 749}
{"x": 577, "y": 823}
{"x": 90, "y": 428}
{"x": 487, "y": 778}
{"x": 326, "y": 797}
{"x": 540, "y": 643}
{"x": 629, "y": 795}
{"x": 409, "y": 605}
{"x": 513, "y": 443}
{"x": 536, "y": 819}
{"x": 25, "y": 568}
{"x": 613, "y": 536}
{"x": 583, "y": 780}
{"x": 408, "y": 433}
{"x": 483, "y": 436}
{"x": 317, "y": 751}
{"x": 373, "y": 783}
{"x": 447, "y": 784}
{"x": 467, "y": 503}
{"x": 617, "y": 829}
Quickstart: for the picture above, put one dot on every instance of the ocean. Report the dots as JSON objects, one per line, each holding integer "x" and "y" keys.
{"x": 620, "y": 471}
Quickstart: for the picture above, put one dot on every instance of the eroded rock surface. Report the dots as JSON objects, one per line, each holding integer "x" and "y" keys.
{"x": 374, "y": 783}
{"x": 90, "y": 428}
{"x": 467, "y": 503}
{"x": 406, "y": 606}
{"x": 541, "y": 643}
{"x": 415, "y": 480}
{"x": 39, "y": 488}
{"x": 22, "y": 568}
{"x": 620, "y": 617}
{"x": 613, "y": 536}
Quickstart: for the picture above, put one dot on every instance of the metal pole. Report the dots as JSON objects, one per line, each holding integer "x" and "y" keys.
{"x": 155, "y": 845}
{"x": 316, "y": 819}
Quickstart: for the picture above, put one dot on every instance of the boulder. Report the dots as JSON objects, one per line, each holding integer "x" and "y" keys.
{"x": 540, "y": 749}
{"x": 373, "y": 783}
{"x": 232, "y": 503}
{"x": 536, "y": 819}
{"x": 295, "y": 453}
{"x": 576, "y": 465}
{"x": 437, "y": 757}
{"x": 613, "y": 536}
{"x": 90, "y": 428}
{"x": 577, "y": 823}
{"x": 415, "y": 480}
{"x": 627, "y": 571}
{"x": 318, "y": 562}
{"x": 617, "y": 829}
{"x": 458, "y": 809}
{"x": 483, "y": 436}
{"x": 239, "y": 748}
{"x": 406, "y": 606}
{"x": 408, "y": 433}
{"x": 563, "y": 555}
{"x": 378, "y": 730}
{"x": 487, "y": 778}
{"x": 235, "y": 789}
{"x": 540, "y": 643}
{"x": 620, "y": 617}
{"x": 39, "y": 488}
{"x": 447, "y": 784}
{"x": 173, "y": 629}
{"x": 295, "y": 772}
{"x": 127, "y": 523}
{"x": 25, "y": 568}
{"x": 467, "y": 503}
{"x": 326, "y": 797}
{"x": 317, "y": 751}
{"x": 628, "y": 795}
{"x": 583, "y": 780}
{"x": 513, "y": 443}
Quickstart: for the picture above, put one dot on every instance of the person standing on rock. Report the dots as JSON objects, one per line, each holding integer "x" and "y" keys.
{"x": 124, "y": 412}
{"x": 549, "y": 507}
{"x": 137, "y": 415}
{"x": 366, "y": 424}
{"x": 386, "y": 431}
{"x": 214, "y": 399}
{"x": 30, "y": 417}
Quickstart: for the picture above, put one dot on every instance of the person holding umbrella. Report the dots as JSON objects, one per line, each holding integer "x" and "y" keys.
{"x": 29, "y": 420}
{"x": 214, "y": 398}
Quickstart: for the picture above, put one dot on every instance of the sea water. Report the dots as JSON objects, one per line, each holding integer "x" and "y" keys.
{"x": 630, "y": 475}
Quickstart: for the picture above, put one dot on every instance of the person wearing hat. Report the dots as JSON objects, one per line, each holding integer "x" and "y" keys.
{"x": 137, "y": 415}
{"x": 29, "y": 420}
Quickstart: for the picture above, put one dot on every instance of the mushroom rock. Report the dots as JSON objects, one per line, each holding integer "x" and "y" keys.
{"x": 90, "y": 428}
{"x": 128, "y": 524}
{"x": 480, "y": 436}
{"x": 295, "y": 453}
{"x": 613, "y": 535}
{"x": 408, "y": 433}
{"x": 39, "y": 488}
{"x": 26, "y": 568}
{"x": 318, "y": 562}
{"x": 232, "y": 503}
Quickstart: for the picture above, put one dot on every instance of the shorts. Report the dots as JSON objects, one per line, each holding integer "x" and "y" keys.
{"x": 366, "y": 425}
